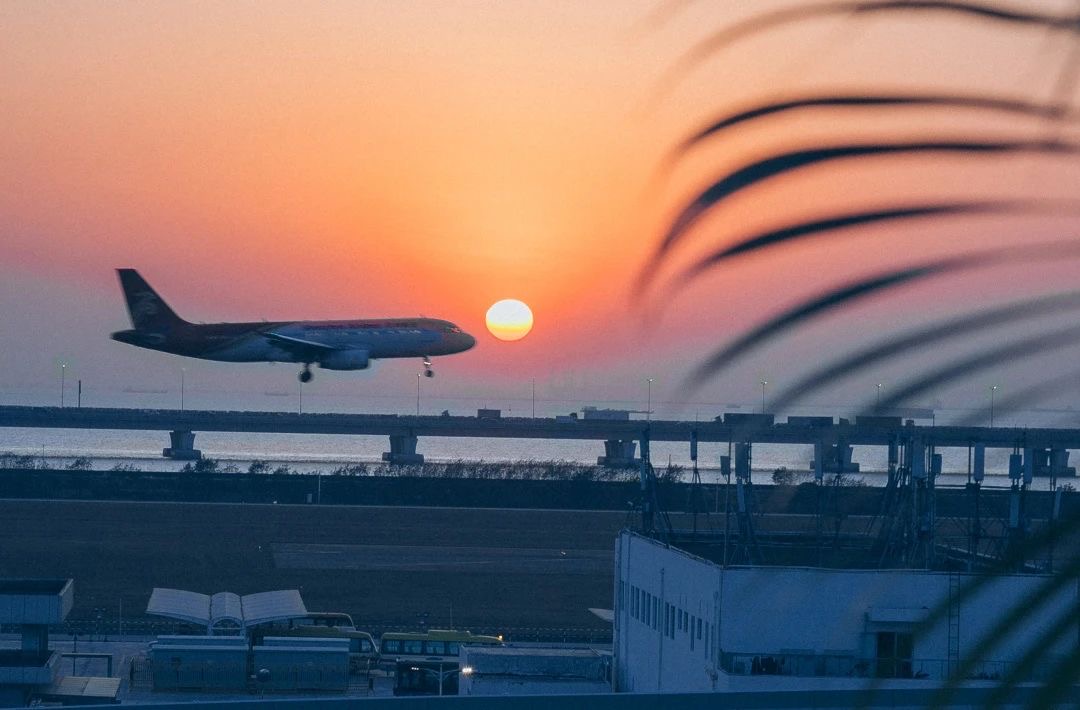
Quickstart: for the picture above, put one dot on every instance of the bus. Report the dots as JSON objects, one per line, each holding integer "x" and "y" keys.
{"x": 427, "y": 663}
{"x": 433, "y": 645}
{"x": 363, "y": 652}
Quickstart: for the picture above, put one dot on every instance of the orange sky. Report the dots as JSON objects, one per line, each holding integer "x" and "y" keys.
{"x": 297, "y": 160}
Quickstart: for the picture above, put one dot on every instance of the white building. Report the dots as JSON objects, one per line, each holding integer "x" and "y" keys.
{"x": 683, "y": 624}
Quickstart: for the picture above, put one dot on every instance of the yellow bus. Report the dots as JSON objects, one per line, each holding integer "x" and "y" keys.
{"x": 434, "y": 644}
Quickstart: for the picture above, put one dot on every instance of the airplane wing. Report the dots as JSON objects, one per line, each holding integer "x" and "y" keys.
{"x": 299, "y": 346}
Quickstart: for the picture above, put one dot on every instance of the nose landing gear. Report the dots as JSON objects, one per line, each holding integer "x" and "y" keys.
{"x": 305, "y": 374}
{"x": 428, "y": 372}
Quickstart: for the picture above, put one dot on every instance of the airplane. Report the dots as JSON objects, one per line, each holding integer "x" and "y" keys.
{"x": 332, "y": 345}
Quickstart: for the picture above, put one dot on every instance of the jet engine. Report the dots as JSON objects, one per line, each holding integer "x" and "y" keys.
{"x": 345, "y": 360}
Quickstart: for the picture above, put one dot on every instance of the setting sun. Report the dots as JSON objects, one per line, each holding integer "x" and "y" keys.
{"x": 509, "y": 319}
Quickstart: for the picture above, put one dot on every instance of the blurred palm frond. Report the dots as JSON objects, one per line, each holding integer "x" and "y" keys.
{"x": 787, "y": 114}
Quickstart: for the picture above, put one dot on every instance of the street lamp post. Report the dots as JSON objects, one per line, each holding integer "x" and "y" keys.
{"x": 648, "y": 400}
{"x": 993, "y": 389}
{"x": 181, "y": 389}
{"x": 440, "y": 674}
{"x": 763, "y": 383}
{"x": 534, "y": 398}
{"x": 63, "y": 376}
{"x": 878, "y": 404}
{"x": 418, "y": 394}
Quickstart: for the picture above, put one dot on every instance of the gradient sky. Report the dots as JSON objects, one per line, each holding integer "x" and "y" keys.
{"x": 334, "y": 160}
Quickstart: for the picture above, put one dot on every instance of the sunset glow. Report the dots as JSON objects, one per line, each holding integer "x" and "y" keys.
{"x": 368, "y": 160}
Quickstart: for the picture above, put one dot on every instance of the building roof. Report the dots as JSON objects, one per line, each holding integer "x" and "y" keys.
{"x": 226, "y": 609}
{"x": 82, "y": 689}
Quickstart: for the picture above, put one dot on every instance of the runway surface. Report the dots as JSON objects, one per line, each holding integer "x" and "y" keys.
{"x": 388, "y": 567}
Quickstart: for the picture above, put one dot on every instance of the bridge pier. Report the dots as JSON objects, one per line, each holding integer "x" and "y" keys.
{"x": 1051, "y": 462}
{"x": 832, "y": 458}
{"x": 402, "y": 450}
{"x": 619, "y": 453}
{"x": 183, "y": 447}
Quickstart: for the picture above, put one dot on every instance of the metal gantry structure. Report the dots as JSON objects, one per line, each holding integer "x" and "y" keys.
{"x": 978, "y": 531}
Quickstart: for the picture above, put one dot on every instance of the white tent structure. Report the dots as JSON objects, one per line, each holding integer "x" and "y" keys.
{"x": 226, "y": 612}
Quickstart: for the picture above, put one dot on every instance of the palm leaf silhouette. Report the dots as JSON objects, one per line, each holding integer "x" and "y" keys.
{"x": 1053, "y": 117}
{"x": 847, "y": 294}
{"x": 846, "y": 222}
{"x": 1016, "y": 107}
{"x": 898, "y": 346}
{"x": 724, "y": 38}
{"x": 1027, "y": 347}
{"x": 783, "y": 163}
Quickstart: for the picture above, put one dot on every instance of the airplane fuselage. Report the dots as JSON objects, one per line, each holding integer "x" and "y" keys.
{"x": 332, "y": 344}
{"x": 248, "y": 342}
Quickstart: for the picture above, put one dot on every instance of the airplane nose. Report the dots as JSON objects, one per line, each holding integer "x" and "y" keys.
{"x": 467, "y": 341}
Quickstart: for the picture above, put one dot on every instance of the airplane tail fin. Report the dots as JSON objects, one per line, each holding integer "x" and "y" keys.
{"x": 148, "y": 310}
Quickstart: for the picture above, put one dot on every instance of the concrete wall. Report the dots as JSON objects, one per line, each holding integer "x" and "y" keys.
{"x": 524, "y": 670}
{"x": 199, "y": 667}
{"x": 302, "y": 667}
{"x": 507, "y": 685}
{"x": 46, "y": 601}
{"x": 828, "y": 614}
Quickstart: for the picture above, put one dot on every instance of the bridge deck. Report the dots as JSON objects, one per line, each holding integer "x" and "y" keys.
{"x": 538, "y": 428}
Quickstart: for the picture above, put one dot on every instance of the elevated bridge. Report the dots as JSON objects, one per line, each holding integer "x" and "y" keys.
{"x": 831, "y": 437}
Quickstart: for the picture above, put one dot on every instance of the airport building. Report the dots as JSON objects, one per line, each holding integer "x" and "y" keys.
{"x": 31, "y": 672}
{"x": 687, "y": 623}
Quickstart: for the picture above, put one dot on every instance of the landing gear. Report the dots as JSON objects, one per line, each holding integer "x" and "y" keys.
{"x": 428, "y": 372}
{"x": 305, "y": 374}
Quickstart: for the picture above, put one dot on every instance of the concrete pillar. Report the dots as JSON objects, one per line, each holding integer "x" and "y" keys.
{"x": 402, "y": 450}
{"x": 618, "y": 453}
{"x": 1016, "y": 467}
{"x": 183, "y": 446}
{"x": 1059, "y": 463}
{"x": 978, "y": 471}
{"x": 832, "y": 458}
{"x": 35, "y": 638}
{"x": 742, "y": 461}
{"x": 916, "y": 459}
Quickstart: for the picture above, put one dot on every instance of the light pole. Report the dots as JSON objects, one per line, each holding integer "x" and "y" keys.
{"x": 534, "y": 398}
{"x": 993, "y": 389}
{"x": 181, "y": 389}
{"x": 648, "y": 400}
{"x": 440, "y": 674}
{"x": 878, "y": 404}
{"x": 763, "y": 383}
{"x": 418, "y": 394}
{"x": 63, "y": 376}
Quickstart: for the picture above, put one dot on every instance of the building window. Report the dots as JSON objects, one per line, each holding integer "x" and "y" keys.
{"x": 894, "y": 653}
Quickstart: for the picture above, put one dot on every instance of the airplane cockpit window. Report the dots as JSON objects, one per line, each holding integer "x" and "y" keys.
{"x": 451, "y": 329}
